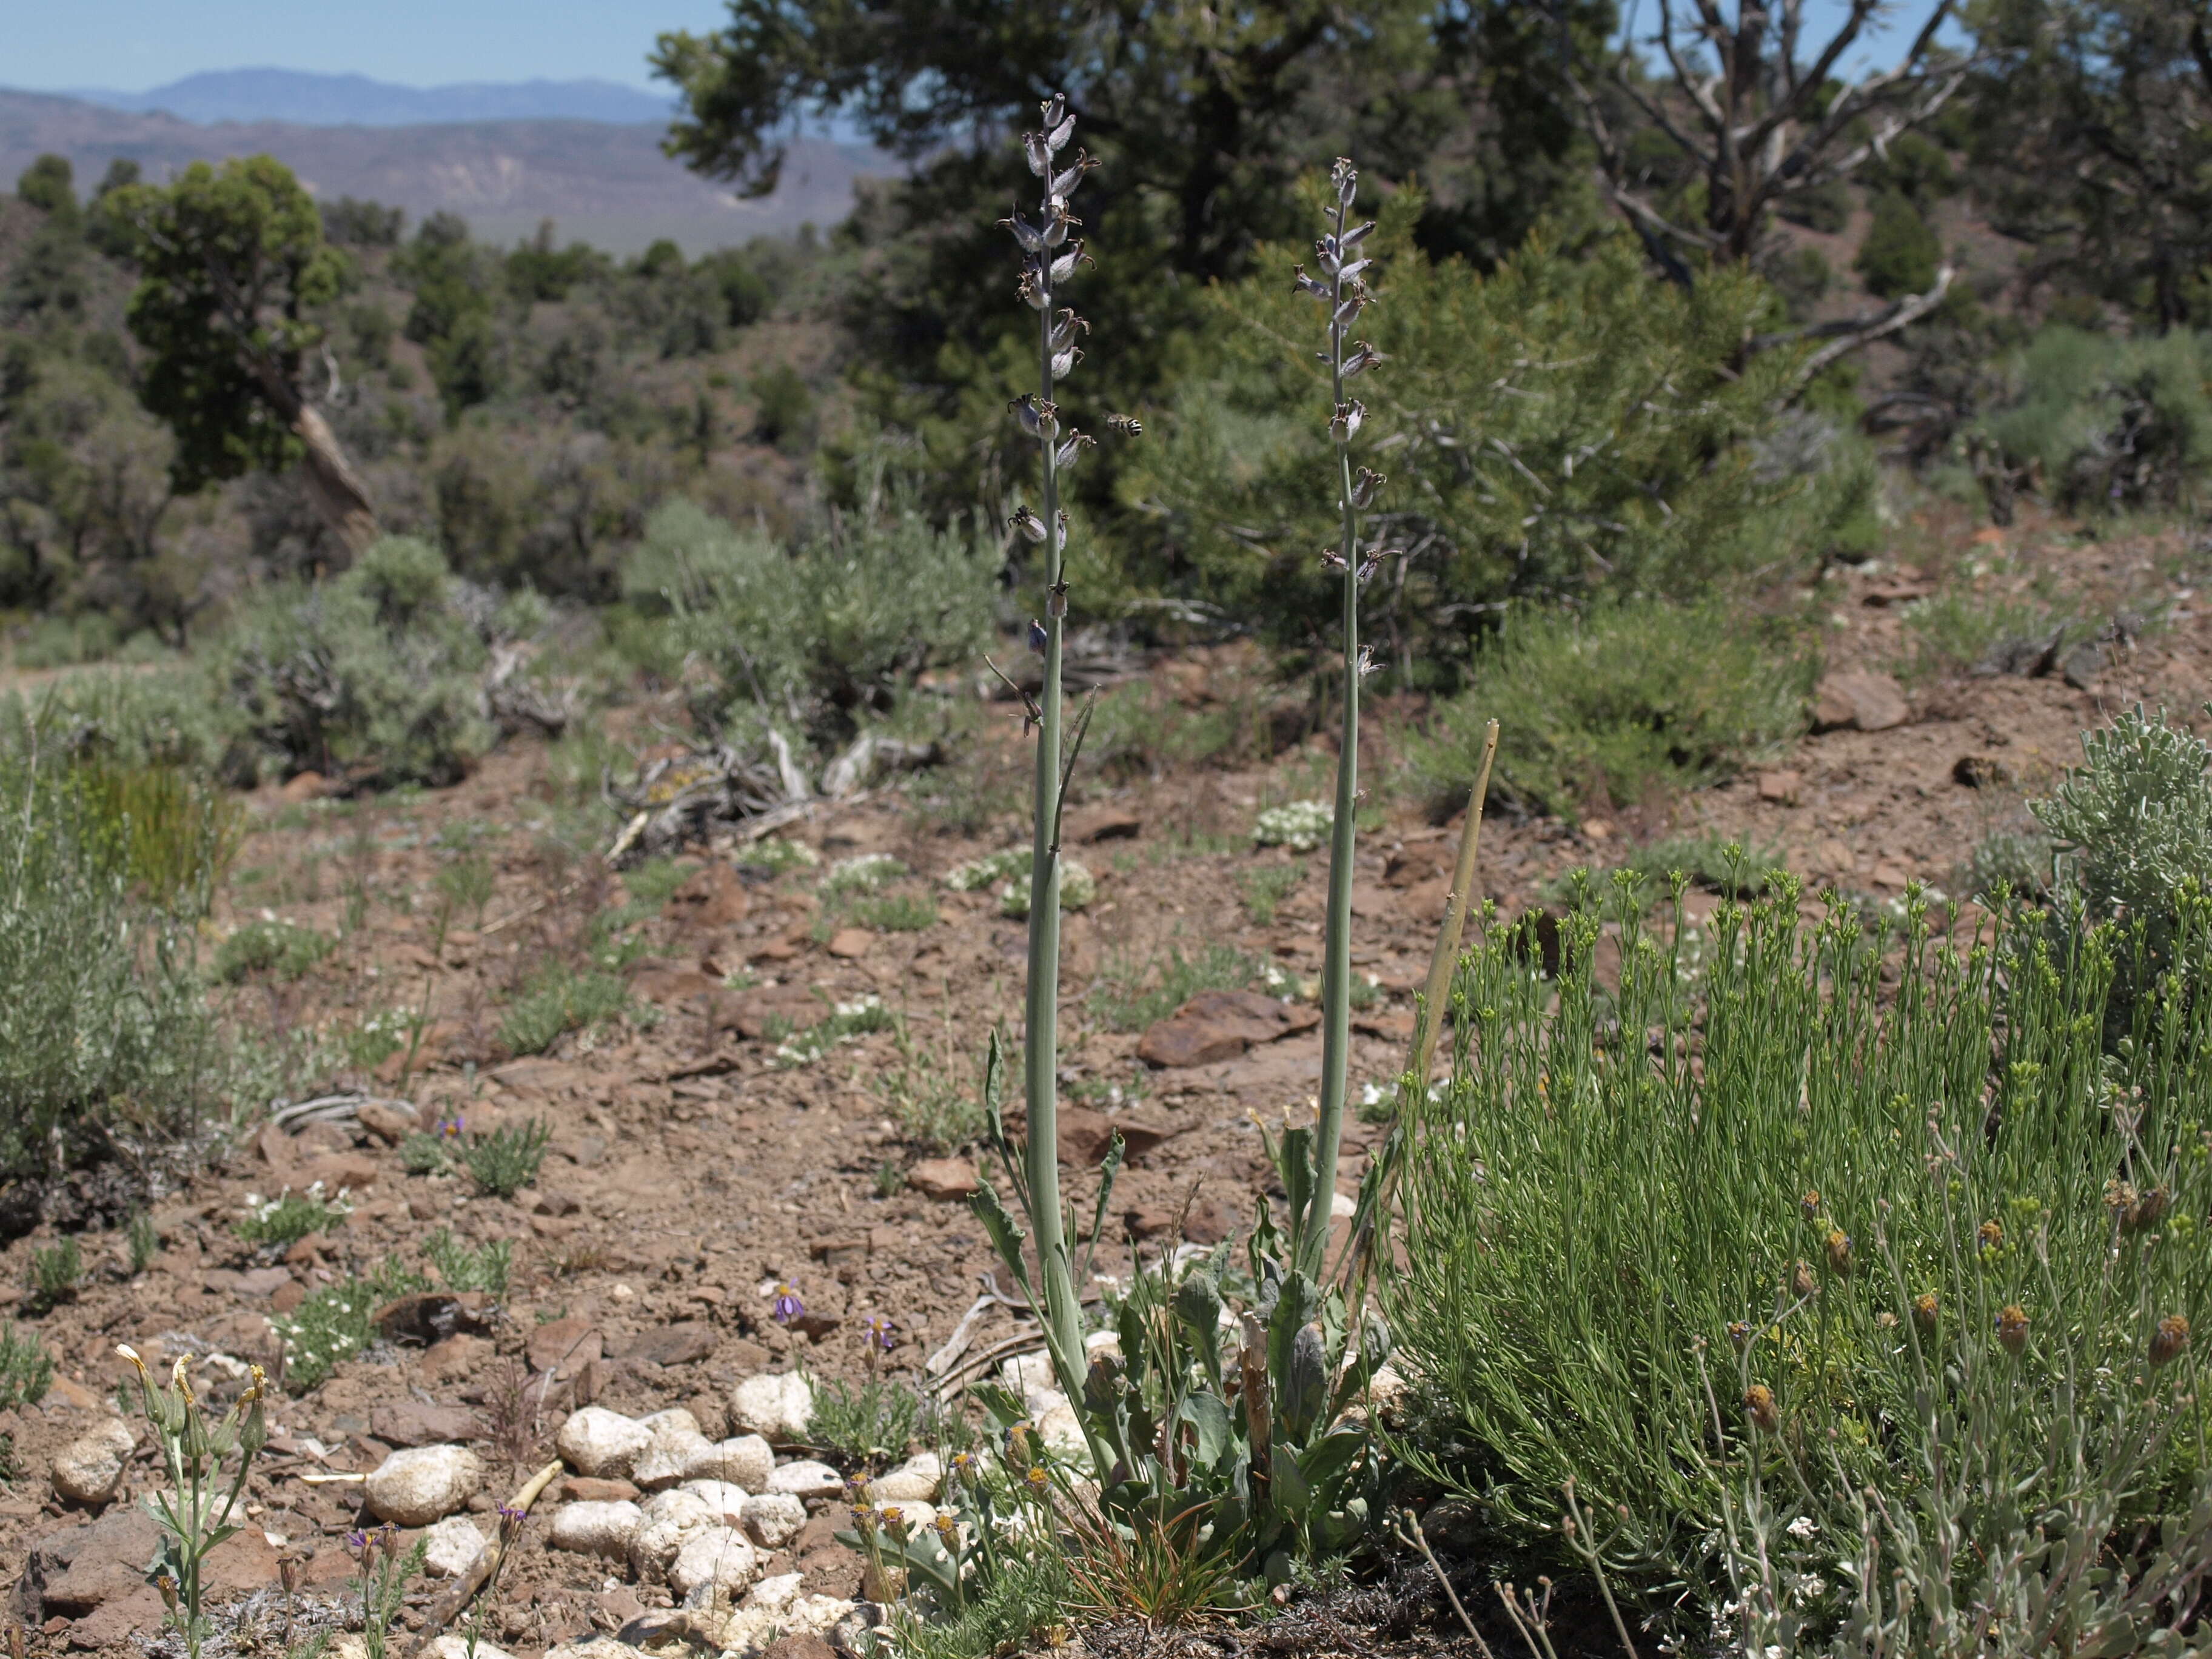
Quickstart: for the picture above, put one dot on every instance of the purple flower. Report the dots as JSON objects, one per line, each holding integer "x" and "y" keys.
{"x": 449, "y": 1128}
{"x": 357, "y": 1540}
{"x": 788, "y": 1307}
{"x": 880, "y": 1333}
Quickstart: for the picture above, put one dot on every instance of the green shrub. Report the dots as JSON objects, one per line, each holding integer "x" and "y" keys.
{"x": 2106, "y": 423}
{"x": 1266, "y": 887}
{"x": 869, "y": 1422}
{"x": 1712, "y": 862}
{"x": 1127, "y": 997}
{"x": 334, "y": 1323}
{"x": 143, "y": 1243}
{"x": 1527, "y": 451}
{"x": 370, "y": 675}
{"x": 2133, "y": 824}
{"x": 1628, "y": 702}
{"x": 27, "y": 1370}
{"x": 277, "y": 948}
{"x": 894, "y": 913}
{"x": 463, "y": 1268}
{"x": 1958, "y": 631}
{"x": 288, "y": 1217}
{"x": 55, "y": 1271}
{"x": 1848, "y": 1284}
{"x": 835, "y": 626}
{"x": 507, "y": 1160}
{"x": 163, "y": 718}
{"x": 1901, "y": 251}
{"x": 104, "y": 1036}
{"x": 560, "y": 999}
{"x": 846, "y": 1020}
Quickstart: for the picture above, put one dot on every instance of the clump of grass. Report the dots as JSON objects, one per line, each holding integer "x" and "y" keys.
{"x": 174, "y": 831}
{"x": 467, "y": 882}
{"x": 55, "y": 1270}
{"x": 871, "y": 1422}
{"x": 27, "y": 1370}
{"x": 847, "y": 1020}
{"x": 1129, "y": 997}
{"x": 464, "y": 1268}
{"x": 505, "y": 1161}
{"x": 557, "y": 1000}
{"x": 894, "y": 913}
{"x": 276, "y": 949}
{"x": 290, "y": 1217}
{"x": 1265, "y": 888}
{"x": 774, "y": 855}
{"x": 1959, "y": 631}
{"x": 334, "y": 1324}
{"x": 143, "y": 1242}
{"x": 925, "y": 1096}
{"x": 1009, "y": 869}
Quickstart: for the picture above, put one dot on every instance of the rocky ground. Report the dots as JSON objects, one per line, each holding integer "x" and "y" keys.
{"x": 703, "y": 1154}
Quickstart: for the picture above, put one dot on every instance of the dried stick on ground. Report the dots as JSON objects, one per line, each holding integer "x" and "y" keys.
{"x": 456, "y": 1595}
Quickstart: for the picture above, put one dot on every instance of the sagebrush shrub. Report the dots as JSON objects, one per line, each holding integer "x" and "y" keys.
{"x": 1624, "y": 702}
{"x": 2108, "y": 422}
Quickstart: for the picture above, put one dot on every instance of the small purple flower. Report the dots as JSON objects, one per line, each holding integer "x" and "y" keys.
{"x": 880, "y": 1333}
{"x": 511, "y": 1518}
{"x": 787, "y": 1307}
{"x": 449, "y": 1128}
{"x": 357, "y": 1540}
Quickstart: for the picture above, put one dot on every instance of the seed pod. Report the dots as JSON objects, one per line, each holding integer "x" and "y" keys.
{"x": 1739, "y": 1335}
{"x": 1366, "y": 485}
{"x": 1810, "y": 1204}
{"x": 2012, "y": 1327}
{"x": 1759, "y": 1407}
{"x": 1926, "y": 1312}
{"x": 1838, "y": 1244}
{"x": 1801, "y": 1282}
{"x": 2168, "y": 1341}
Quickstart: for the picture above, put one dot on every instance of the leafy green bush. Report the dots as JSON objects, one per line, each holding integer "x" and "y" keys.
{"x": 1629, "y": 701}
{"x": 872, "y": 1421}
{"x": 370, "y": 675}
{"x": 2118, "y": 424}
{"x": 1564, "y": 424}
{"x": 507, "y": 1160}
{"x": 104, "y": 1036}
{"x": 559, "y": 999}
{"x": 463, "y": 1268}
{"x": 1891, "y": 1272}
{"x": 334, "y": 1324}
{"x": 2133, "y": 824}
{"x": 290, "y": 1216}
{"x": 815, "y": 635}
{"x": 277, "y": 948}
{"x": 1901, "y": 251}
{"x": 55, "y": 1270}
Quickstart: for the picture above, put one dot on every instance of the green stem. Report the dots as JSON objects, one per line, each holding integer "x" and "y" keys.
{"x": 1040, "y": 1035}
{"x": 1336, "y": 942}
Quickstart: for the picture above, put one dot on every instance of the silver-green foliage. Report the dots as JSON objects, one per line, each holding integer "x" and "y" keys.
{"x": 1874, "y": 1269}
{"x": 103, "y": 1033}
{"x": 813, "y": 634}
{"x": 370, "y": 674}
{"x": 2134, "y": 821}
{"x": 2109, "y": 422}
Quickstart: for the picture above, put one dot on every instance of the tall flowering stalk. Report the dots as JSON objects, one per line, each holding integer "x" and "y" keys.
{"x": 1342, "y": 291}
{"x": 1049, "y": 256}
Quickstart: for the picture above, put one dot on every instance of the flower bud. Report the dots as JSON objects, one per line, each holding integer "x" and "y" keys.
{"x": 1810, "y": 1204}
{"x": 1838, "y": 1246}
{"x": 2012, "y": 1327}
{"x": 1031, "y": 237}
{"x": 1739, "y": 1335}
{"x": 2168, "y": 1341}
{"x": 1926, "y": 1312}
{"x": 1801, "y": 1282}
{"x": 1346, "y": 422}
{"x": 1366, "y": 485}
{"x": 1759, "y": 1407}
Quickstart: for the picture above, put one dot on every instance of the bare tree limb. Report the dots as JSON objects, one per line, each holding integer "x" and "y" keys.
{"x": 1861, "y": 332}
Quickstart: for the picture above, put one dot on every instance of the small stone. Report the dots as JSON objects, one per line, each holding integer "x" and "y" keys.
{"x": 1781, "y": 786}
{"x": 851, "y": 943}
{"x": 413, "y": 1488}
{"x": 670, "y": 1458}
{"x": 714, "y": 897}
{"x": 1860, "y": 699}
{"x": 774, "y": 1518}
{"x": 943, "y": 1178}
{"x": 917, "y": 1479}
{"x": 806, "y": 1478}
{"x": 1085, "y": 1135}
{"x": 412, "y": 1422}
{"x": 1216, "y": 1026}
{"x": 778, "y": 1407}
{"x": 598, "y": 1442}
{"x": 777, "y": 1593}
{"x": 453, "y": 1646}
{"x": 390, "y": 1120}
{"x": 667, "y": 1345}
{"x": 667, "y": 1520}
{"x": 721, "y": 1558}
{"x": 451, "y": 1547}
{"x": 568, "y": 1344}
{"x": 596, "y": 1529}
{"x": 1102, "y": 823}
{"x": 583, "y": 1489}
{"x": 596, "y": 1647}
{"x": 88, "y": 1469}
{"x": 1062, "y": 1430}
{"x": 725, "y": 1499}
{"x": 745, "y": 1459}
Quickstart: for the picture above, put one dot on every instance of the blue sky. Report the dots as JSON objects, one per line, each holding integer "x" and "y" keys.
{"x": 132, "y": 44}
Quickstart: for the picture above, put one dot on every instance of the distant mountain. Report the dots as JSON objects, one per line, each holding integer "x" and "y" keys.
{"x": 354, "y": 100}
{"x": 609, "y": 185}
